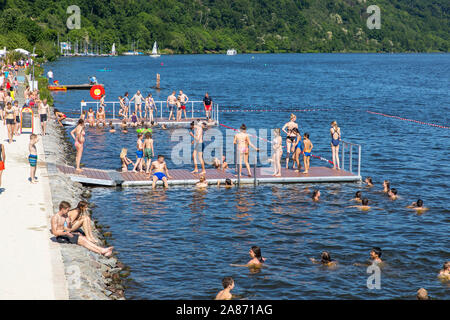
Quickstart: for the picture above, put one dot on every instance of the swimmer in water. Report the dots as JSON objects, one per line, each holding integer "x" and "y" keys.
{"x": 418, "y": 206}
{"x": 369, "y": 182}
{"x": 358, "y": 196}
{"x": 228, "y": 183}
{"x": 256, "y": 261}
{"x": 325, "y": 260}
{"x": 422, "y": 294}
{"x": 316, "y": 195}
{"x": 386, "y": 186}
{"x": 375, "y": 255}
{"x": 228, "y": 285}
{"x": 111, "y": 127}
{"x": 202, "y": 183}
{"x": 445, "y": 272}
{"x": 392, "y": 193}
{"x": 364, "y": 205}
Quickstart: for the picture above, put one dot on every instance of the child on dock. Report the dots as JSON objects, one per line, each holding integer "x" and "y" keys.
{"x": 148, "y": 151}
{"x": 307, "y": 147}
{"x": 228, "y": 285}
{"x": 139, "y": 154}
{"x": 32, "y": 158}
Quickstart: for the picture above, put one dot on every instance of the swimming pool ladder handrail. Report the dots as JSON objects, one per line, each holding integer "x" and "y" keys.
{"x": 350, "y": 145}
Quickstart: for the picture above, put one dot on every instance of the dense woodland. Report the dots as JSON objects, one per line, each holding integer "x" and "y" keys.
{"x": 199, "y": 26}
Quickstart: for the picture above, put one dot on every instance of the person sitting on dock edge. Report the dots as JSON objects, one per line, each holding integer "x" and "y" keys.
{"x": 160, "y": 171}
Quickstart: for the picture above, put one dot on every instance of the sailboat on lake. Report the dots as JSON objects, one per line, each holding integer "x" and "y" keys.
{"x": 155, "y": 51}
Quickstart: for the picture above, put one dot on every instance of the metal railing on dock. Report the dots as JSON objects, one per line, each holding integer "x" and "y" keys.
{"x": 349, "y": 146}
{"x": 161, "y": 110}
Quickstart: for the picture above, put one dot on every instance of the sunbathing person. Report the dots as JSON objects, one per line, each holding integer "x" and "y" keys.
{"x": 79, "y": 218}
{"x": 61, "y": 226}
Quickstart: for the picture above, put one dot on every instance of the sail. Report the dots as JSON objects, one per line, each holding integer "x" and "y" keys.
{"x": 113, "y": 49}
{"x": 155, "y": 48}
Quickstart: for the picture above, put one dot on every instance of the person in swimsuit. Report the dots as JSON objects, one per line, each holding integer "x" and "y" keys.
{"x": 393, "y": 194}
{"x": 44, "y": 114}
{"x": 134, "y": 119}
{"x": 111, "y": 127}
{"x": 79, "y": 218}
{"x": 139, "y": 154}
{"x": 179, "y": 110}
{"x": 307, "y": 147}
{"x": 59, "y": 116}
{"x": 138, "y": 103}
{"x": 83, "y": 115}
{"x": 160, "y": 172}
{"x": 10, "y": 120}
{"x": 184, "y": 99}
{"x": 277, "y": 152}
{"x": 61, "y": 225}
{"x": 207, "y": 103}
{"x": 335, "y": 132}
{"x": 101, "y": 117}
{"x": 228, "y": 285}
{"x": 149, "y": 107}
{"x": 358, "y": 197}
{"x": 78, "y": 135}
{"x": 2, "y": 163}
{"x": 148, "y": 151}
{"x": 125, "y": 160}
{"x": 32, "y": 158}
{"x": 290, "y": 136}
{"x": 220, "y": 164}
{"x": 364, "y": 206}
{"x": 242, "y": 140}
{"x": 199, "y": 146}
{"x": 418, "y": 206}
{"x": 171, "y": 104}
{"x": 316, "y": 195}
{"x": 257, "y": 259}
{"x": 369, "y": 182}
{"x": 91, "y": 117}
{"x": 444, "y": 274}
{"x": 102, "y": 101}
{"x": 386, "y": 186}
{"x": 298, "y": 149}
{"x": 123, "y": 112}
{"x": 17, "y": 111}
{"x": 202, "y": 183}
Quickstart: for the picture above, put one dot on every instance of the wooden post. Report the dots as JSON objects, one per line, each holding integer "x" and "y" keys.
{"x": 158, "y": 78}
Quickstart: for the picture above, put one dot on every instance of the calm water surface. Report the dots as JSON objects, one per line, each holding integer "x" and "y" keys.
{"x": 179, "y": 243}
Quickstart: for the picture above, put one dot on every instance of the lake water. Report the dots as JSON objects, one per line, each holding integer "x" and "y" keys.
{"x": 179, "y": 243}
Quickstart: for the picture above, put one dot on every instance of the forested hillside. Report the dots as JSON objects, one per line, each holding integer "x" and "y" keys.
{"x": 198, "y": 26}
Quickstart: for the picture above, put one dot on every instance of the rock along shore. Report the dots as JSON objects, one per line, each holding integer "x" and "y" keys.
{"x": 89, "y": 276}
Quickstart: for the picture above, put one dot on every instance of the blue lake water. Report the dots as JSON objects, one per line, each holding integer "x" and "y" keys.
{"x": 179, "y": 243}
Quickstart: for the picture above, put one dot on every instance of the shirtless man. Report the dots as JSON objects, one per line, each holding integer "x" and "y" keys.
{"x": 290, "y": 136}
{"x": 392, "y": 193}
{"x": 307, "y": 148}
{"x": 243, "y": 142}
{"x": 228, "y": 285}
{"x": 375, "y": 255}
{"x": 148, "y": 151}
{"x": 138, "y": 103}
{"x": 160, "y": 171}
{"x": 171, "y": 104}
{"x": 199, "y": 146}
{"x": 44, "y": 114}
{"x": 364, "y": 205}
{"x": 60, "y": 226}
{"x": 101, "y": 117}
{"x": 202, "y": 183}
{"x": 184, "y": 99}
{"x": 418, "y": 206}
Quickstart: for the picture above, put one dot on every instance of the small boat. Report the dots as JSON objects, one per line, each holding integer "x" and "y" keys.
{"x": 231, "y": 52}
{"x": 57, "y": 88}
{"x": 113, "y": 50}
{"x": 85, "y": 86}
{"x": 155, "y": 51}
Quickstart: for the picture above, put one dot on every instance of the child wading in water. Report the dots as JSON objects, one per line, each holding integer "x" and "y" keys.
{"x": 125, "y": 160}
{"x": 148, "y": 151}
{"x": 139, "y": 154}
{"x": 32, "y": 158}
{"x": 308, "y": 146}
{"x": 228, "y": 285}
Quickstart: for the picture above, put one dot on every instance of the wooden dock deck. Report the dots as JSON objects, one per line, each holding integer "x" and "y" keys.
{"x": 113, "y": 178}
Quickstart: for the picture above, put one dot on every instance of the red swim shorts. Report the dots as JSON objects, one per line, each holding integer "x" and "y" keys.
{"x": 183, "y": 107}
{"x": 2, "y": 165}
{"x": 207, "y": 108}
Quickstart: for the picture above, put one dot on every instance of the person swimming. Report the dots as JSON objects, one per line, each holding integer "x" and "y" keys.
{"x": 422, "y": 294}
{"x": 316, "y": 195}
{"x": 111, "y": 127}
{"x": 418, "y": 206}
{"x": 228, "y": 183}
{"x": 363, "y": 206}
{"x": 445, "y": 272}
{"x": 257, "y": 258}
{"x": 358, "y": 196}
{"x": 202, "y": 183}
{"x": 369, "y": 182}
{"x": 386, "y": 186}
{"x": 325, "y": 260}
{"x": 392, "y": 193}
{"x": 375, "y": 255}
{"x": 228, "y": 285}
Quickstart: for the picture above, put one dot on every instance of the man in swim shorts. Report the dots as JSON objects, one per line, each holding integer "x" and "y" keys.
{"x": 148, "y": 151}
{"x": 60, "y": 228}
{"x": 160, "y": 172}
{"x": 139, "y": 154}
{"x": 32, "y": 158}
{"x": 207, "y": 103}
{"x": 183, "y": 100}
{"x": 171, "y": 104}
{"x": 199, "y": 146}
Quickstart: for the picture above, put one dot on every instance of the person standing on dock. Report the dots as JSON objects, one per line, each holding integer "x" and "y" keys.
{"x": 207, "y": 103}
{"x": 242, "y": 140}
{"x": 171, "y": 104}
{"x": 50, "y": 76}
{"x": 335, "y": 132}
{"x": 291, "y": 136}
{"x": 78, "y": 135}
{"x": 199, "y": 146}
{"x": 138, "y": 103}
{"x": 149, "y": 107}
{"x": 307, "y": 147}
{"x": 184, "y": 99}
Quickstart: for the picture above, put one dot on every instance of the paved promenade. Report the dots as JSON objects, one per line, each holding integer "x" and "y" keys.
{"x": 31, "y": 266}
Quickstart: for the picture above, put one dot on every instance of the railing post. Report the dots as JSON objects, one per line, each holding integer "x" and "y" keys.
{"x": 351, "y": 157}
{"x": 114, "y": 111}
{"x": 192, "y": 109}
{"x": 359, "y": 160}
{"x": 254, "y": 169}
{"x": 343, "y": 155}
{"x": 161, "y": 104}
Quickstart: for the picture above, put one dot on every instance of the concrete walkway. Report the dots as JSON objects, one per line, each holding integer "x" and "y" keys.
{"x": 31, "y": 266}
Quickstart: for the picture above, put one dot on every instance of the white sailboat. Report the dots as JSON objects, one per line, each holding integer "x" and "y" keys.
{"x": 155, "y": 51}
{"x": 113, "y": 50}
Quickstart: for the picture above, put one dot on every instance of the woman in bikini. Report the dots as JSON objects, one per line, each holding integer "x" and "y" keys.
{"x": 290, "y": 138}
{"x": 79, "y": 218}
{"x": 335, "y": 132}
{"x": 298, "y": 149}
{"x": 243, "y": 142}
{"x": 78, "y": 135}
{"x": 91, "y": 117}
